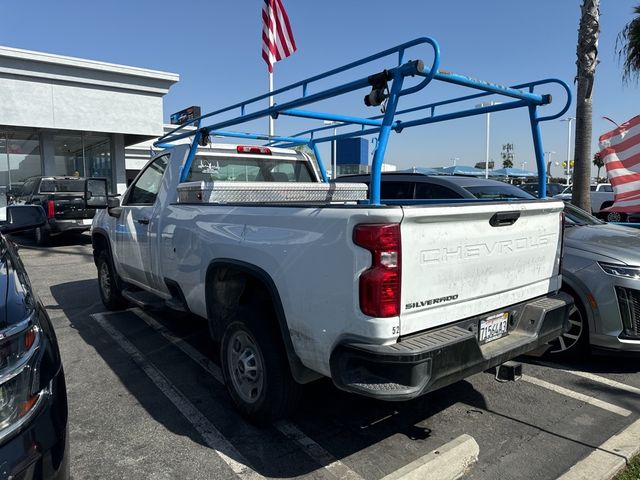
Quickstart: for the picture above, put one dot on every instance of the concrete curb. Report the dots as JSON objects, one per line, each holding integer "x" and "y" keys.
{"x": 609, "y": 458}
{"x": 449, "y": 462}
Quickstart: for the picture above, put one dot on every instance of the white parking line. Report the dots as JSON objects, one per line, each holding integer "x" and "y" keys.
{"x": 288, "y": 429}
{"x": 212, "y": 437}
{"x": 596, "y": 378}
{"x": 578, "y": 396}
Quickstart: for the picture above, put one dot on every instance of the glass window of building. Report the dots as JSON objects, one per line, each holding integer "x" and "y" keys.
{"x": 19, "y": 159}
{"x": 84, "y": 155}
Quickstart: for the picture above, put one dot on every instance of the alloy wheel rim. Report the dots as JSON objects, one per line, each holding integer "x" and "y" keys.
{"x": 614, "y": 217}
{"x": 246, "y": 366}
{"x": 105, "y": 280}
{"x": 569, "y": 339}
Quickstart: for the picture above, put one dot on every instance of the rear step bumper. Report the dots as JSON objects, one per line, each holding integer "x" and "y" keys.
{"x": 433, "y": 359}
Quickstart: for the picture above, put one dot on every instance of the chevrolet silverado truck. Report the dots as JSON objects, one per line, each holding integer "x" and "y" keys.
{"x": 62, "y": 199}
{"x": 300, "y": 278}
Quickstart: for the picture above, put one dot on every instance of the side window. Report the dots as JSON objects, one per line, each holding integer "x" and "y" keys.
{"x": 396, "y": 190}
{"x": 27, "y": 188}
{"x": 606, "y": 188}
{"x": 429, "y": 190}
{"x": 145, "y": 189}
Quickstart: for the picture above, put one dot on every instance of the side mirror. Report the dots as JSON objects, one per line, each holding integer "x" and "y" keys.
{"x": 96, "y": 193}
{"x": 23, "y": 217}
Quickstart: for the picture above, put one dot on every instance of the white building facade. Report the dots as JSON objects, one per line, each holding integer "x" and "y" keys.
{"x": 70, "y": 116}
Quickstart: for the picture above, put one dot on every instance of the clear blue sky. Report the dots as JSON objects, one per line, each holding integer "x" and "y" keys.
{"x": 215, "y": 47}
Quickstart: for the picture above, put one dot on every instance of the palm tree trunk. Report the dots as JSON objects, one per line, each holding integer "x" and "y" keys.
{"x": 587, "y": 53}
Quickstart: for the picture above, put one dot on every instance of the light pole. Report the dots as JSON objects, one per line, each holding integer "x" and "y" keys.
{"x": 568, "y": 120}
{"x": 547, "y": 156}
{"x": 486, "y": 158}
{"x": 334, "y": 167}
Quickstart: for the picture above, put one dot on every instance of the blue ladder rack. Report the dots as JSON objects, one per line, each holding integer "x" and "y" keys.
{"x": 518, "y": 96}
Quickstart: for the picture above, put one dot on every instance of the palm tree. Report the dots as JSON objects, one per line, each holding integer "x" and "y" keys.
{"x": 628, "y": 48}
{"x": 598, "y": 162}
{"x": 587, "y": 53}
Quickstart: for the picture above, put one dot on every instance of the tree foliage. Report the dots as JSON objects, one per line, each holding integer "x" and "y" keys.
{"x": 598, "y": 162}
{"x": 507, "y": 155}
{"x": 628, "y": 48}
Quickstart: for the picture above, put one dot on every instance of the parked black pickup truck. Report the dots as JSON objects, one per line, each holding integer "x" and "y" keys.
{"x": 62, "y": 199}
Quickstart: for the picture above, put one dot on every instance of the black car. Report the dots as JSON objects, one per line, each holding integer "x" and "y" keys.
{"x": 552, "y": 188}
{"x": 62, "y": 199}
{"x": 408, "y": 186}
{"x": 33, "y": 397}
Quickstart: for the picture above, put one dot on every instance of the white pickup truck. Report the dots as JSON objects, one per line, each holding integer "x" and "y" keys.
{"x": 299, "y": 279}
{"x": 601, "y": 197}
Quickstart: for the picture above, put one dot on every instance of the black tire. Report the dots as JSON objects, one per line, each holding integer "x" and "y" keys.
{"x": 42, "y": 236}
{"x": 615, "y": 217}
{"x": 109, "y": 284}
{"x": 574, "y": 343}
{"x": 255, "y": 367}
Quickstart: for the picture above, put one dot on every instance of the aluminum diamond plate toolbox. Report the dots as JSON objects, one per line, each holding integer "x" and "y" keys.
{"x": 270, "y": 192}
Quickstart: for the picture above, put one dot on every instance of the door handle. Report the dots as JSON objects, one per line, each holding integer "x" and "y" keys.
{"x": 143, "y": 221}
{"x": 502, "y": 219}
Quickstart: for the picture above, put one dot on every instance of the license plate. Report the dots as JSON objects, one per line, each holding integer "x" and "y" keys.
{"x": 493, "y": 327}
{"x": 87, "y": 221}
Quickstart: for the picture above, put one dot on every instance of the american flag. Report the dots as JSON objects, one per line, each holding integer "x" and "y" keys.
{"x": 620, "y": 152}
{"x": 277, "y": 37}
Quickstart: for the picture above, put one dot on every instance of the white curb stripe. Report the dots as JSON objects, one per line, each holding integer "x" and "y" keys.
{"x": 289, "y": 430}
{"x": 578, "y": 396}
{"x": 609, "y": 458}
{"x": 449, "y": 462}
{"x": 212, "y": 437}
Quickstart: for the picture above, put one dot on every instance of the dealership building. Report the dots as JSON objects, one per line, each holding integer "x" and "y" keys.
{"x": 69, "y": 116}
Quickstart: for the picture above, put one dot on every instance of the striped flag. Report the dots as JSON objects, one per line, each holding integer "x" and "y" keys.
{"x": 277, "y": 37}
{"x": 620, "y": 152}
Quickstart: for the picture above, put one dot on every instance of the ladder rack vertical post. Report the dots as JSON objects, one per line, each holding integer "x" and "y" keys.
{"x": 383, "y": 136}
{"x": 192, "y": 154}
{"x": 539, "y": 151}
{"x": 316, "y": 152}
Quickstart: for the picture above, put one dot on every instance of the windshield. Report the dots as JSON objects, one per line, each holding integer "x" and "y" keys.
{"x": 248, "y": 169}
{"x": 62, "y": 185}
{"x": 497, "y": 192}
{"x": 576, "y": 216}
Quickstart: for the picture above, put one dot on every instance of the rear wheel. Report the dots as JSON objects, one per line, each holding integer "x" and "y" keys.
{"x": 256, "y": 369}
{"x": 616, "y": 217}
{"x": 575, "y": 341}
{"x": 109, "y": 284}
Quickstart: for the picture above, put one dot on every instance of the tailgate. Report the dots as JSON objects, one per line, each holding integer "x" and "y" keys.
{"x": 70, "y": 206}
{"x": 464, "y": 260}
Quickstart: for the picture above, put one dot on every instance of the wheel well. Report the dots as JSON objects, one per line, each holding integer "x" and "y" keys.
{"x": 100, "y": 243}
{"x": 579, "y": 303}
{"x": 606, "y": 204}
{"x": 229, "y": 285}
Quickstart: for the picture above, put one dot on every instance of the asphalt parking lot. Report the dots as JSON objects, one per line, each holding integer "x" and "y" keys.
{"x": 146, "y": 400}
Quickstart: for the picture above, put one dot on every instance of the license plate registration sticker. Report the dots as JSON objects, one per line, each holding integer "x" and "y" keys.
{"x": 493, "y": 327}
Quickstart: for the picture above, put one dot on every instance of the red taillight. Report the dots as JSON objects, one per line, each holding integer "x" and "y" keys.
{"x": 51, "y": 209}
{"x": 253, "y": 149}
{"x": 380, "y": 284}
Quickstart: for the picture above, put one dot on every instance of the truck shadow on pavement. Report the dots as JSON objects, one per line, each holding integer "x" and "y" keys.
{"x": 341, "y": 423}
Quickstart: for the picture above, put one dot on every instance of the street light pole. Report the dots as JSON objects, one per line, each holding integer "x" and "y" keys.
{"x": 486, "y": 158}
{"x": 547, "y": 156}
{"x": 568, "y": 120}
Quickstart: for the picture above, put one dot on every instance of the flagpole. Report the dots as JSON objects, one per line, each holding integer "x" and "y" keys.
{"x": 271, "y": 120}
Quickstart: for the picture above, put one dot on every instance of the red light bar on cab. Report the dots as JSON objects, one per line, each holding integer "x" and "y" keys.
{"x": 253, "y": 149}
